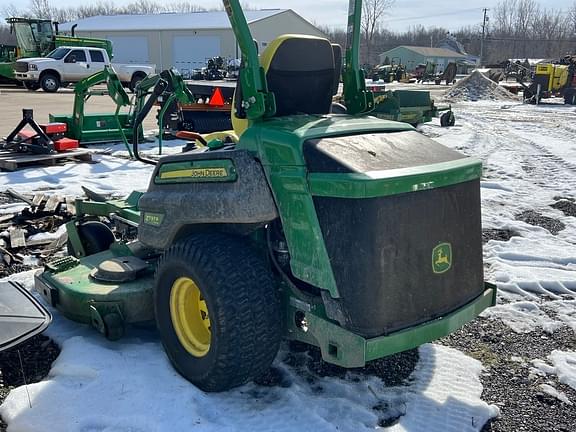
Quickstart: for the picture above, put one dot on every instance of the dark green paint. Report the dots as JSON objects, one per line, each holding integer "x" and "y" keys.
{"x": 77, "y": 290}
{"x": 394, "y": 182}
{"x": 354, "y": 350}
{"x": 356, "y": 98}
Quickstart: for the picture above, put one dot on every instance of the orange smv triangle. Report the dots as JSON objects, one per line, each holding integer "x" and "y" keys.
{"x": 217, "y": 99}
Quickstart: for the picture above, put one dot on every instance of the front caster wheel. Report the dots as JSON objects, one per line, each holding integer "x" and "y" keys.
{"x": 447, "y": 119}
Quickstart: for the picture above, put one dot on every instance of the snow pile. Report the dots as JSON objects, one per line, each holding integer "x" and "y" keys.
{"x": 476, "y": 87}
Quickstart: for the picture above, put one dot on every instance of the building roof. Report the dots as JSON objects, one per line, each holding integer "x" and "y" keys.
{"x": 166, "y": 21}
{"x": 431, "y": 52}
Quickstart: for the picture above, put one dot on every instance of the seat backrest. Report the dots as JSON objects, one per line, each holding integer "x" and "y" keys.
{"x": 301, "y": 72}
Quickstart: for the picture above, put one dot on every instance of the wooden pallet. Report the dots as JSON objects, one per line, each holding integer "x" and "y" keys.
{"x": 12, "y": 161}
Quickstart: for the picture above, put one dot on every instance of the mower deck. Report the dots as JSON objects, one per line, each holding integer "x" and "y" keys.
{"x": 69, "y": 285}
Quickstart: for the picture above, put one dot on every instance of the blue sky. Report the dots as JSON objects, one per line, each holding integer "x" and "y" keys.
{"x": 451, "y": 14}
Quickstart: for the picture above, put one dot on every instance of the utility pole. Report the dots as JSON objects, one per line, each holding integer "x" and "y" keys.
{"x": 484, "y": 21}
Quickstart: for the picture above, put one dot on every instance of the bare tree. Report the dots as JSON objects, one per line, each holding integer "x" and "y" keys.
{"x": 505, "y": 16}
{"x": 13, "y": 11}
{"x": 572, "y": 19}
{"x": 526, "y": 11}
{"x": 184, "y": 7}
{"x": 41, "y": 9}
{"x": 372, "y": 13}
{"x": 144, "y": 7}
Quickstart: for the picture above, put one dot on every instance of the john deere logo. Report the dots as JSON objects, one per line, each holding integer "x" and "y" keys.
{"x": 442, "y": 258}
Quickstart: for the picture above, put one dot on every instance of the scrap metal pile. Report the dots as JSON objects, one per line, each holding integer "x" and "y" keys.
{"x": 32, "y": 235}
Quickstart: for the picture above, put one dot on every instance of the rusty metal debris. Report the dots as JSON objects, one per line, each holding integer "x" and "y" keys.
{"x": 30, "y": 236}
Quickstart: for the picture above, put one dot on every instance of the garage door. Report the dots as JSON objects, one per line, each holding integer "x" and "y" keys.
{"x": 191, "y": 52}
{"x": 130, "y": 49}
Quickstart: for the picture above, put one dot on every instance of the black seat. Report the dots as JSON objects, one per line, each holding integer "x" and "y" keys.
{"x": 301, "y": 74}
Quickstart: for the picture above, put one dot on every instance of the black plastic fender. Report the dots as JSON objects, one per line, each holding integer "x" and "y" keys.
{"x": 169, "y": 211}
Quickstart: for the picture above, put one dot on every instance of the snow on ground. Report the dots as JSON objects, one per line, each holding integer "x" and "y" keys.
{"x": 150, "y": 147}
{"x": 552, "y": 391}
{"x": 563, "y": 365}
{"x": 529, "y": 155}
{"x": 108, "y": 175}
{"x": 129, "y": 386}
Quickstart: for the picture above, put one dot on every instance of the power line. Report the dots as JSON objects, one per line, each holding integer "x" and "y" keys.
{"x": 506, "y": 39}
{"x": 483, "y": 34}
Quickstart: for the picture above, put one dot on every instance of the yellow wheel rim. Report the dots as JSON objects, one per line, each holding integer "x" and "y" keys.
{"x": 190, "y": 317}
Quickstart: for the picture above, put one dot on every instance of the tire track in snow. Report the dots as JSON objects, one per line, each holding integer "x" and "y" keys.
{"x": 522, "y": 172}
{"x": 541, "y": 166}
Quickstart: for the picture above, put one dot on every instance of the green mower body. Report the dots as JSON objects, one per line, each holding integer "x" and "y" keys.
{"x": 381, "y": 227}
{"x": 350, "y": 233}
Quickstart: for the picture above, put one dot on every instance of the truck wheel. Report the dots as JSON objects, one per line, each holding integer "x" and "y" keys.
{"x": 136, "y": 78}
{"x": 95, "y": 237}
{"x": 217, "y": 311}
{"x": 30, "y": 85}
{"x": 50, "y": 83}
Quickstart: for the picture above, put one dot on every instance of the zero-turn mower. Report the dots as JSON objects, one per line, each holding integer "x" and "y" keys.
{"x": 347, "y": 232}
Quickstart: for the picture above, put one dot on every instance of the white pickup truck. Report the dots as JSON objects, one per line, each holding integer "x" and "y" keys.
{"x": 72, "y": 64}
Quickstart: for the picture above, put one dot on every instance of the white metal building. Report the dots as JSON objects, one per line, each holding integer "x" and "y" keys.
{"x": 185, "y": 40}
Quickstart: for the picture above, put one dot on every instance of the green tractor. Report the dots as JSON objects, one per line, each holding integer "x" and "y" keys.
{"x": 37, "y": 38}
{"x": 353, "y": 234}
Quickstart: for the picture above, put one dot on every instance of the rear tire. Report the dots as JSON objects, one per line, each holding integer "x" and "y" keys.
{"x": 229, "y": 330}
{"x": 50, "y": 83}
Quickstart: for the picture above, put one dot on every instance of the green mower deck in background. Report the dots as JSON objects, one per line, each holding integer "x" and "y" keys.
{"x": 350, "y": 233}
{"x": 410, "y": 106}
